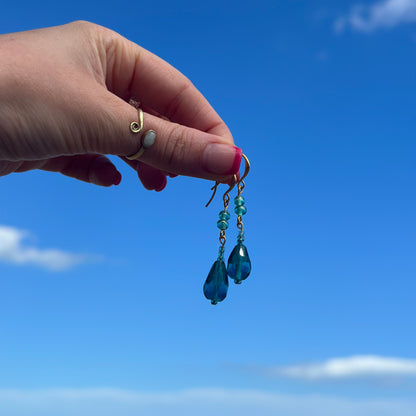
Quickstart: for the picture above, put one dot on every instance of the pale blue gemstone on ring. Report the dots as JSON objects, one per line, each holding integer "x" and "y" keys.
{"x": 149, "y": 139}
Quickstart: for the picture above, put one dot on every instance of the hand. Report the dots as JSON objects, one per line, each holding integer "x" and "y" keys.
{"x": 64, "y": 95}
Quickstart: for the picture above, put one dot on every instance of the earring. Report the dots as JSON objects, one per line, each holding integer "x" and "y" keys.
{"x": 239, "y": 264}
{"x": 216, "y": 284}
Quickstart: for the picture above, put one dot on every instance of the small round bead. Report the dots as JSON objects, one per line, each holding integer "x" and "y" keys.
{"x": 222, "y": 224}
{"x": 240, "y": 237}
{"x": 224, "y": 215}
{"x": 240, "y": 210}
{"x": 239, "y": 201}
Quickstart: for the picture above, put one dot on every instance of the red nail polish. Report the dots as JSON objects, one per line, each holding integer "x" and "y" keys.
{"x": 237, "y": 162}
{"x": 221, "y": 159}
{"x": 162, "y": 186}
{"x": 117, "y": 178}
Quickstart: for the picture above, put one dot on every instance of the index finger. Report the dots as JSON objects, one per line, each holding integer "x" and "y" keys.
{"x": 132, "y": 71}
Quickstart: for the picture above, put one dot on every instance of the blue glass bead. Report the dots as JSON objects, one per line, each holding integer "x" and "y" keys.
{"x": 239, "y": 201}
{"x": 224, "y": 215}
{"x": 216, "y": 285}
{"x": 241, "y": 210}
{"x": 240, "y": 237}
{"x": 222, "y": 224}
{"x": 239, "y": 264}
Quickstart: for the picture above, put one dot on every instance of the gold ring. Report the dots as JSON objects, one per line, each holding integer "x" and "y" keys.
{"x": 135, "y": 126}
{"x": 148, "y": 139}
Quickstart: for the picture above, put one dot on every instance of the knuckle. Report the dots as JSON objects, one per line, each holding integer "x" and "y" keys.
{"x": 176, "y": 147}
{"x": 88, "y": 29}
{"x": 81, "y": 25}
{"x": 176, "y": 102}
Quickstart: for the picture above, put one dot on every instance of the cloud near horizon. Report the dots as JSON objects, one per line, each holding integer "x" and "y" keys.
{"x": 381, "y": 14}
{"x": 12, "y": 250}
{"x": 201, "y": 402}
{"x": 359, "y": 366}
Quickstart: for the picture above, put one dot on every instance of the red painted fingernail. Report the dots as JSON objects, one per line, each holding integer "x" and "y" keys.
{"x": 162, "y": 186}
{"x": 222, "y": 159}
{"x": 117, "y": 178}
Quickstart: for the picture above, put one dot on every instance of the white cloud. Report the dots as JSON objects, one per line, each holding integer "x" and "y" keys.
{"x": 13, "y": 251}
{"x": 350, "y": 367}
{"x": 201, "y": 402}
{"x": 383, "y": 14}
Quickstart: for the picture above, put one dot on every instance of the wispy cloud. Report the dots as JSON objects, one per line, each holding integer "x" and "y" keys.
{"x": 347, "y": 368}
{"x": 201, "y": 402}
{"x": 13, "y": 250}
{"x": 382, "y": 14}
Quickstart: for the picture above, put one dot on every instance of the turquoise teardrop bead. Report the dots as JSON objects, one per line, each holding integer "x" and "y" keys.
{"x": 216, "y": 285}
{"x": 239, "y": 264}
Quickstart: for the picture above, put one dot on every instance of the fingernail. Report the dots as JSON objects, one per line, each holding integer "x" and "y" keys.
{"x": 222, "y": 159}
{"x": 117, "y": 178}
{"x": 162, "y": 185}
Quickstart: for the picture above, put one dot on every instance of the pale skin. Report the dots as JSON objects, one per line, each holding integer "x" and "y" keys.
{"x": 64, "y": 95}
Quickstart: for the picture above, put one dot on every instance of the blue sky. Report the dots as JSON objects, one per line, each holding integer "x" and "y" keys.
{"x": 101, "y": 304}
